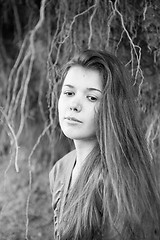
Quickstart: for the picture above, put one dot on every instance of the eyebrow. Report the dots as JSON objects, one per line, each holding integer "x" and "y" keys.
{"x": 89, "y": 89}
{"x": 94, "y": 89}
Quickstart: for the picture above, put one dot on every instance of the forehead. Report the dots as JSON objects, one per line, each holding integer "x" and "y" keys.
{"x": 83, "y": 76}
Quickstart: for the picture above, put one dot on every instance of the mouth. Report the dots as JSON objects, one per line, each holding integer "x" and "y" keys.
{"x": 72, "y": 119}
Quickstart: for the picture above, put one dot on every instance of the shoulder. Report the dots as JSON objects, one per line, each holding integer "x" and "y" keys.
{"x": 61, "y": 168}
{"x": 63, "y": 164}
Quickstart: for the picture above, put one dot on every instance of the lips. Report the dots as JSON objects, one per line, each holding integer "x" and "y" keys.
{"x": 73, "y": 119}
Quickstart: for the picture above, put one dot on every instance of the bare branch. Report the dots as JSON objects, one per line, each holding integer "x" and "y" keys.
{"x": 73, "y": 21}
{"x": 38, "y": 25}
{"x": 18, "y": 26}
{"x": 90, "y": 24}
{"x": 136, "y": 49}
{"x": 13, "y": 70}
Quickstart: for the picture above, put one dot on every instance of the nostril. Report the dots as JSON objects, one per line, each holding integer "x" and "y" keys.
{"x": 76, "y": 109}
{"x": 73, "y": 109}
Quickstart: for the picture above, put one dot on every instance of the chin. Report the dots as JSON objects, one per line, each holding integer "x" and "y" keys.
{"x": 73, "y": 137}
{"x": 80, "y": 137}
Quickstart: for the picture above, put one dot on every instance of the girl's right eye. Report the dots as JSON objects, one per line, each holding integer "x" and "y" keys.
{"x": 68, "y": 93}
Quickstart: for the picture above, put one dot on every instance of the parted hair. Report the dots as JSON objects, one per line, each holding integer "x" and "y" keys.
{"x": 117, "y": 188}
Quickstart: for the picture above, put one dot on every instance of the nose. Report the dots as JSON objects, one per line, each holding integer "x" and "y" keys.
{"x": 75, "y": 106}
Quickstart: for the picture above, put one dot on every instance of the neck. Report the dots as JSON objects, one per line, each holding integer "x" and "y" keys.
{"x": 83, "y": 148}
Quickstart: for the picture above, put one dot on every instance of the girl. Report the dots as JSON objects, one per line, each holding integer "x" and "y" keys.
{"x": 106, "y": 187}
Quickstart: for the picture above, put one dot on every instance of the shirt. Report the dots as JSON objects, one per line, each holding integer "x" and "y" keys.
{"x": 60, "y": 177}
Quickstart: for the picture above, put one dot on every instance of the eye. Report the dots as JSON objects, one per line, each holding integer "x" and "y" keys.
{"x": 92, "y": 98}
{"x": 68, "y": 93}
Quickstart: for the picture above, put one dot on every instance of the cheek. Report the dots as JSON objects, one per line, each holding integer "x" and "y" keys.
{"x": 61, "y": 104}
{"x": 93, "y": 117}
{"x": 96, "y": 114}
{"x": 96, "y": 110}
{"x": 60, "y": 108}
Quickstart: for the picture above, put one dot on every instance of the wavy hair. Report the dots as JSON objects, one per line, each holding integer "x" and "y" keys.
{"x": 117, "y": 188}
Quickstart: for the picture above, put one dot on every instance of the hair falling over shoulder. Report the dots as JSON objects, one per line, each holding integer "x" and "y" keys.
{"x": 118, "y": 188}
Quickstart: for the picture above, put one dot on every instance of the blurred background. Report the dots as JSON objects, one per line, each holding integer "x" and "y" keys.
{"x": 36, "y": 39}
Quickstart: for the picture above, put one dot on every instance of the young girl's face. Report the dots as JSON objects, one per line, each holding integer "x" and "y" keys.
{"x": 80, "y": 97}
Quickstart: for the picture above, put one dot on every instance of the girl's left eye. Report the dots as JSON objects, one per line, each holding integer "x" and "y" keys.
{"x": 92, "y": 98}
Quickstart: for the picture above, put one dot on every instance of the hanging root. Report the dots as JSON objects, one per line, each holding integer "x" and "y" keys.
{"x": 13, "y": 138}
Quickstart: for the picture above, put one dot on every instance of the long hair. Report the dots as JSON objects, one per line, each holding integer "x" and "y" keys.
{"x": 117, "y": 186}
